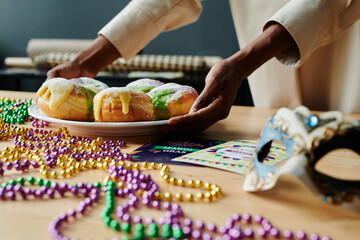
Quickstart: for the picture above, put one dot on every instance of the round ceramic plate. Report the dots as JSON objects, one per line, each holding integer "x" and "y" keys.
{"x": 102, "y": 128}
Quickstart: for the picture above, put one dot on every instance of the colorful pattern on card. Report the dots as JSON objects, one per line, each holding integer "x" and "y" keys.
{"x": 163, "y": 149}
{"x": 233, "y": 156}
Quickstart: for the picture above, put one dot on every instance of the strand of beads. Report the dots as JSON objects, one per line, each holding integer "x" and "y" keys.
{"x": 92, "y": 194}
{"x": 133, "y": 184}
{"x": 211, "y": 193}
{"x": 14, "y": 110}
{"x": 39, "y": 123}
{"x": 42, "y": 188}
{"x": 173, "y": 225}
{"x": 45, "y": 189}
{"x": 140, "y": 231}
{"x": 59, "y": 149}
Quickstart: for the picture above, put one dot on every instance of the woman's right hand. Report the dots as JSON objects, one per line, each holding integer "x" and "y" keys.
{"x": 89, "y": 62}
{"x": 69, "y": 70}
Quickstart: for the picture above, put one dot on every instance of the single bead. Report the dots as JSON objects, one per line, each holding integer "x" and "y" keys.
{"x": 166, "y": 231}
{"x": 198, "y": 183}
{"x": 173, "y": 180}
{"x": 181, "y": 182}
{"x": 261, "y": 232}
{"x": 153, "y": 230}
{"x": 12, "y": 182}
{"x": 235, "y": 233}
{"x": 200, "y": 225}
{"x": 178, "y": 233}
{"x": 288, "y": 234}
{"x": 208, "y": 196}
{"x": 153, "y": 165}
{"x": 258, "y": 219}
{"x": 314, "y": 237}
{"x": 145, "y": 165}
{"x": 21, "y": 181}
{"x": 179, "y": 196}
{"x": 212, "y": 227}
{"x": 301, "y": 235}
{"x": 196, "y": 234}
{"x": 200, "y": 196}
{"x": 40, "y": 181}
{"x": 207, "y": 186}
{"x": 189, "y": 197}
{"x": 191, "y": 183}
{"x": 275, "y": 233}
{"x": 249, "y": 233}
{"x": 168, "y": 196}
{"x": 115, "y": 225}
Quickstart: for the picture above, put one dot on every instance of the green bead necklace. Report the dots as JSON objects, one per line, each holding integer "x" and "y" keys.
{"x": 14, "y": 110}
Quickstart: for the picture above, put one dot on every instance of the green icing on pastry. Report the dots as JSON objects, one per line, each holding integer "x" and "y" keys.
{"x": 141, "y": 88}
{"x": 160, "y": 99}
{"x": 89, "y": 104}
{"x": 89, "y": 94}
{"x": 86, "y": 92}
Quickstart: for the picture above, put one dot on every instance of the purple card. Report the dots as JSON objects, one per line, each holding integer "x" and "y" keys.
{"x": 162, "y": 150}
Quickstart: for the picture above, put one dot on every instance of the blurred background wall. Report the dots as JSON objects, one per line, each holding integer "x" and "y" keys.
{"x": 21, "y": 20}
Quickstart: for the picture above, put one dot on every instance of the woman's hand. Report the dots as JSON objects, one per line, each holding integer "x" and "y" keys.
{"x": 214, "y": 103}
{"x": 224, "y": 80}
{"x": 69, "y": 70}
{"x": 88, "y": 62}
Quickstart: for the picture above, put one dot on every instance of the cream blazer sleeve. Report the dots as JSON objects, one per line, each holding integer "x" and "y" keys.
{"x": 313, "y": 24}
{"x": 142, "y": 20}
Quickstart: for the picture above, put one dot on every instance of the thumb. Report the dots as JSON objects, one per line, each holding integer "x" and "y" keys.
{"x": 205, "y": 98}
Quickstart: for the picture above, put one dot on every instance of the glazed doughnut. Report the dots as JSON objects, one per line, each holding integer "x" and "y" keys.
{"x": 122, "y": 104}
{"x": 172, "y": 100}
{"x": 92, "y": 84}
{"x": 61, "y": 98}
{"x": 145, "y": 84}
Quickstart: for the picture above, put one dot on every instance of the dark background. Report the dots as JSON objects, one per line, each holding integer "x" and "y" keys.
{"x": 20, "y": 20}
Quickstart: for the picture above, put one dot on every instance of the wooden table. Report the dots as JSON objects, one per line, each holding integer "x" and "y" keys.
{"x": 290, "y": 205}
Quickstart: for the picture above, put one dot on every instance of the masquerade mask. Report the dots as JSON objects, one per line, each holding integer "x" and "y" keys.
{"x": 307, "y": 138}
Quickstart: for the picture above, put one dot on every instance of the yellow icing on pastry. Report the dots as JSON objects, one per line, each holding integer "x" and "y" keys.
{"x": 97, "y": 104}
{"x": 125, "y": 98}
{"x": 47, "y": 94}
{"x": 123, "y": 93}
{"x": 57, "y": 89}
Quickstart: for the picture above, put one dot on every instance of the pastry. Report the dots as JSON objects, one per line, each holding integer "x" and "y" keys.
{"x": 171, "y": 99}
{"x": 122, "y": 104}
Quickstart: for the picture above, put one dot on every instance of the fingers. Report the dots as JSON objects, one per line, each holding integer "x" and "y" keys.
{"x": 53, "y": 73}
{"x": 67, "y": 70}
{"x": 210, "y": 91}
{"x": 199, "y": 120}
{"x": 185, "y": 123}
{"x": 199, "y": 103}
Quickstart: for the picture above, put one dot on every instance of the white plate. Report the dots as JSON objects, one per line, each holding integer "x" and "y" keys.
{"x": 102, "y": 128}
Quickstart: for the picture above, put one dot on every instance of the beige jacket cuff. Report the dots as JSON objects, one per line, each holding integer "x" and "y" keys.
{"x": 312, "y": 24}
{"x": 142, "y": 20}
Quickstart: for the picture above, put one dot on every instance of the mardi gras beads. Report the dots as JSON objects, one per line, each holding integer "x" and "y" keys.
{"x": 212, "y": 191}
{"x": 39, "y": 123}
{"x": 46, "y": 149}
{"x": 14, "y": 111}
{"x": 173, "y": 225}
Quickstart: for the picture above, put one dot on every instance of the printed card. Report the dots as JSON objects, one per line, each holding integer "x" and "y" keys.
{"x": 162, "y": 150}
{"x": 233, "y": 156}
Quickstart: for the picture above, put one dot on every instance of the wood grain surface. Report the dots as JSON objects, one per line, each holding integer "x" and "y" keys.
{"x": 289, "y": 205}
